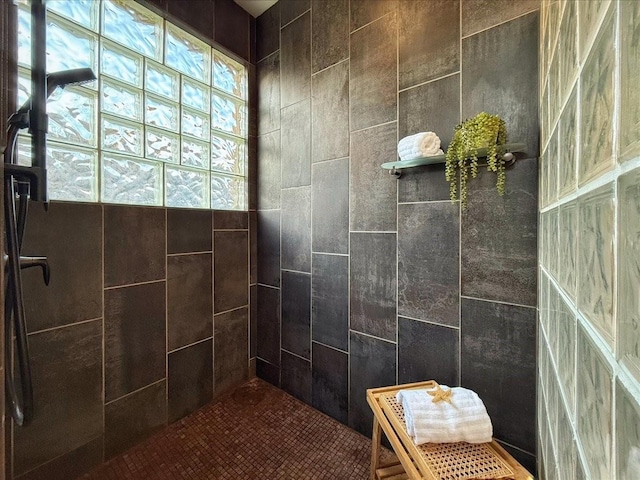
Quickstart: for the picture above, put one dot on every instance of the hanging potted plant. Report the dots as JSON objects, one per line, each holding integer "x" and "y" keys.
{"x": 484, "y": 132}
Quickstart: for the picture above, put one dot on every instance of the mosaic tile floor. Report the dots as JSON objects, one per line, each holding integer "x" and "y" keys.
{"x": 255, "y": 432}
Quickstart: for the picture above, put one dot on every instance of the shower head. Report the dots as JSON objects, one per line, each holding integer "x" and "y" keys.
{"x": 61, "y": 79}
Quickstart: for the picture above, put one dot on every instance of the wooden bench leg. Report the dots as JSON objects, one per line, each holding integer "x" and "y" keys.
{"x": 375, "y": 448}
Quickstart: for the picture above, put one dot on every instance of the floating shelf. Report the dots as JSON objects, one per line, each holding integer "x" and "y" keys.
{"x": 396, "y": 167}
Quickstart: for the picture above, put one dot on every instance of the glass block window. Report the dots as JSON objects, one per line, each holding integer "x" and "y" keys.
{"x": 164, "y": 124}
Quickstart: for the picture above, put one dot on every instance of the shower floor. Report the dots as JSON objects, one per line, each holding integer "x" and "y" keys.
{"x": 255, "y": 432}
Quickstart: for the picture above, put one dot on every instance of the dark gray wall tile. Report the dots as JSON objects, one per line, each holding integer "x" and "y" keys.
{"x": 269, "y": 247}
{"x": 267, "y": 372}
{"x": 330, "y": 113}
{"x": 134, "y": 244}
{"x": 269, "y": 171}
{"x": 499, "y": 237}
{"x": 296, "y": 229}
{"x": 296, "y": 314}
{"x": 527, "y": 460}
{"x": 330, "y": 382}
{"x": 427, "y": 352}
{"x": 253, "y": 321}
{"x": 296, "y": 144}
{"x": 70, "y": 465}
{"x": 479, "y": 15}
{"x": 252, "y": 98}
{"x": 428, "y": 262}
{"x": 253, "y": 248}
{"x": 229, "y": 220}
{"x": 198, "y": 14}
{"x": 189, "y": 299}
{"x": 372, "y": 364}
{"x": 135, "y": 349}
{"x": 188, "y": 231}
{"x": 253, "y": 172}
{"x": 292, "y": 9}
{"x": 498, "y": 349}
{"x": 366, "y": 11}
{"x": 373, "y": 284}
{"x": 509, "y": 47}
{"x": 423, "y": 57}
{"x": 230, "y": 270}
{"x": 70, "y": 236}
{"x": 133, "y": 418}
{"x": 295, "y": 61}
{"x": 66, "y": 368}
{"x": 374, "y": 66}
{"x": 190, "y": 379}
{"x": 269, "y": 94}
{"x": 231, "y": 349}
{"x": 231, "y": 27}
{"x": 296, "y": 376}
{"x": 373, "y": 190}
{"x": 330, "y": 204}
{"x": 330, "y": 300}
{"x": 330, "y": 27}
{"x": 268, "y": 325}
{"x": 268, "y": 32}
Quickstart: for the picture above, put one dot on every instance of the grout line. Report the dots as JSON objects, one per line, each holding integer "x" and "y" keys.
{"x": 268, "y": 286}
{"x": 330, "y": 253}
{"x": 457, "y": 72}
{"x": 463, "y": 37}
{"x": 265, "y": 57}
{"x": 397, "y": 265}
{"x": 460, "y": 59}
{"x": 515, "y": 448}
{"x": 429, "y": 322}
{"x": 169, "y": 352}
{"x": 331, "y": 347}
{"x": 137, "y": 390}
{"x": 166, "y": 313}
{"x": 316, "y": 162}
{"x": 371, "y": 336}
{"x": 290, "y": 22}
{"x": 295, "y": 271}
{"x": 231, "y": 310}
{"x": 296, "y": 355}
{"x": 371, "y": 22}
{"x": 467, "y": 297}
{"x": 371, "y": 126}
{"x": 330, "y": 66}
{"x": 384, "y": 232}
{"x": 349, "y": 166}
{"x": 136, "y": 284}
{"x": 231, "y": 229}
{"x": 427, "y": 201}
{"x": 187, "y": 254}
{"x": 66, "y": 325}
{"x": 104, "y": 332}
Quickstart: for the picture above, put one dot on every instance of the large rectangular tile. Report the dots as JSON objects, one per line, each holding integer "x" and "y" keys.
{"x": 330, "y": 206}
{"x": 231, "y": 270}
{"x": 268, "y": 372}
{"x": 188, "y": 230}
{"x": 70, "y": 236}
{"x": 629, "y": 71}
{"x": 296, "y": 144}
{"x": 296, "y": 313}
{"x": 189, "y": 299}
{"x": 363, "y": 12}
{"x": 330, "y": 113}
{"x": 478, "y": 15}
{"x": 295, "y": 61}
{"x": 292, "y": 9}
{"x": 506, "y": 273}
{"x": 197, "y": 14}
{"x": 296, "y": 376}
{"x": 427, "y": 352}
{"x": 330, "y": 300}
{"x": 231, "y": 349}
{"x": 373, "y": 190}
{"x": 66, "y": 368}
{"x": 253, "y": 321}
{"x": 134, "y": 245}
{"x": 190, "y": 379}
{"x": 231, "y": 27}
{"x": 253, "y": 247}
{"x": 135, "y": 336}
{"x": 498, "y": 355}
{"x": 296, "y": 229}
{"x": 268, "y": 32}
{"x": 230, "y": 220}
{"x": 511, "y": 47}
{"x": 429, "y": 262}
{"x": 330, "y": 382}
{"x": 423, "y": 57}
{"x": 269, "y": 94}
{"x": 373, "y": 284}
{"x": 372, "y": 364}
{"x": 268, "y": 327}
{"x": 269, "y": 175}
{"x": 330, "y": 33}
{"x": 373, "y": 67}
{"x": 69, "y": 465}
{"x": 269, "y": 247}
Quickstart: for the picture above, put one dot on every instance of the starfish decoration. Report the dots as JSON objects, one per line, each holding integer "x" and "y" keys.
{"x": 440, "y": 395}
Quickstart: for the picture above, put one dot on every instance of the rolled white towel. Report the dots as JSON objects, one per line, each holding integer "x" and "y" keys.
{"x": 423, "y": 144}
{"x": 460, "y": 418}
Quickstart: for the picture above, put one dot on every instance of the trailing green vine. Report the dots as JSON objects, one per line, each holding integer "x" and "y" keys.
{"x": 482, "y": 131}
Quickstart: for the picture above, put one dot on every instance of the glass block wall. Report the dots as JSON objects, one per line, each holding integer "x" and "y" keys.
{"x": 589, "y": 249}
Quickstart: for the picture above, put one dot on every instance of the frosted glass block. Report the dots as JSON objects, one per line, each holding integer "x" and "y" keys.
{"x": 119, "y": 99}
{"x": 69, "y": 46}
{"x": 543, "y": 168}
{"x": 187, "y": 54}
{"x": 554, "y": 314}
{"x": 589, "y": 14}
{"x": 568, "y": 47}
{"x": 227, "y": 155}
{"x": 229, "y": 76}
{"x": 593, "y": 408}
{"x": 552, "y": 165}
{"x": 195, "y": 124}
{"x": 195, "y": 153}
{"x": 595, "y": 259}
{"x": 195, "y": 95}
{"x": 121, "y": 63}
{"x": 162, "y": 145}
{"x": 24, "y": 36}
{"x": 125, "y": 180}
{"x": 24, "y": 86}
{"x": 121, "y": 136}
{"x": 161, "y": 80}
{"x": 83, "y": 12}
{"x": 553, "y": 243}
{"x": 552, "y": 410}
{"x": 568, "y": 147}
{"x": 627, "y": 434}
{"x": 227, "y": 193}
{"x": 554, "y": 89}
{"x": 566, "y": 353}
{"x": 161, "y": 113}
{"x": 597, "y": 105}
{"x": 568, "y": 221}
{"x": 629, "y": 74}
{"x": 567, "y": 454}
{"x": 227, "y": 115}
{"x": 628, "y": 313}
{"x": 186, "y": 188}
{"x": 73, "y": 116}
{"x": 544, "y": 299}
{"x": 133, "y": 26}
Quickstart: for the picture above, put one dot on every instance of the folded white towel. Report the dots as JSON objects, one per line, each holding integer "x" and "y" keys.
{"x": 423, "y": 144}
{"x": 460, "y": 418}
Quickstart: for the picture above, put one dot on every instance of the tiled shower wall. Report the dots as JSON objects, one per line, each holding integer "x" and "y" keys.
{"x": 589, "y": 355}
{"x": 365, "y": 280}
